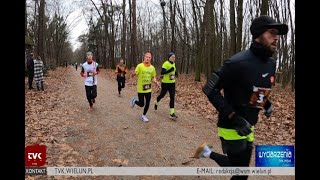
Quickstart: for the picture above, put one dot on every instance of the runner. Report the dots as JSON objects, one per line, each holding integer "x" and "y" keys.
{"x": 89, "y": 71}
{"x": 168, "y": 83}
{"x": 146, "y": 73}
{"x": 246, "y": 80}
{"x": 38, "y": 73}
{"x": 121, "y": 70}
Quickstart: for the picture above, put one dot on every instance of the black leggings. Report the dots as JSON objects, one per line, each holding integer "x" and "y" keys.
{"x": 140, "y": 103}
{"x": 238, "y": 155}
{"x": 171, "y": 87}
{"x": 121, "y": 82}
{"x": 40, "y": 85}
{"x": 30, "y": 78}
{"x": 91, "y": 92}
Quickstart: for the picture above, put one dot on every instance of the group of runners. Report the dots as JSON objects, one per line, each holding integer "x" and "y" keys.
{"x": 146, "y": 74}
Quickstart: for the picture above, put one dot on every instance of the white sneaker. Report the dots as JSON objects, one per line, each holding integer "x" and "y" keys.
{"x": 144, "y": 118}
{"x": 203, "y": 151}
{"x": 133, "y": 102}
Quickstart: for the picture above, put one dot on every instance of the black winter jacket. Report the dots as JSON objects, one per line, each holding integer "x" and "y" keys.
{"x": 240, "y": 77}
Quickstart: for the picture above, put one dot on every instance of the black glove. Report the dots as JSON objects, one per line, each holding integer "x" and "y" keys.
{"x": 242, "y": 126}
{"x": 268, "y": 108}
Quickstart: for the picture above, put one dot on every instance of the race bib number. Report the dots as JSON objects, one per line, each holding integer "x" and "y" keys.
{"x": 90, "y": 74}
{"x": 146, "y": 87}
{"x": 171, "y": 76}
{"x": 259, "y": 97}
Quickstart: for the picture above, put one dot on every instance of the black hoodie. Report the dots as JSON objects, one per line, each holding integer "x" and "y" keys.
{"x": 239, "y": 76}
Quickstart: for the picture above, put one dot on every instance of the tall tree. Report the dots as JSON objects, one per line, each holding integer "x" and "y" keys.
{"x": 233, "y": 47}
{"x": 134, "y": 41}
{"x": 173, "y": 23}
{"x": 292, "y": 62}
{"x": 209, "y": 37}
{"x": 124, "y": 30}
{"x": 164, "y": 37}
{"x": 239, "y": 25}
{"x": 25, "y": 17}
{"x": 265, "y": 7}
{"x": 41, "y": 29}
{"x": 198, "y": 39}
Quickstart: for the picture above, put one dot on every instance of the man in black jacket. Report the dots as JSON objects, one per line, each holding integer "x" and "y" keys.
{"x": 30, "y": 68}
{"x": 246, "y": 79}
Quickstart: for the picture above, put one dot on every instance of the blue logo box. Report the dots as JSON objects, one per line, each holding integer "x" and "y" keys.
{"x": 274, "y": 156}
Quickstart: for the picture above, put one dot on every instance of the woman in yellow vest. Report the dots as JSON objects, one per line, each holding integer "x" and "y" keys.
{"x": 146, "y": 73}
{"x": 168, "y": 83}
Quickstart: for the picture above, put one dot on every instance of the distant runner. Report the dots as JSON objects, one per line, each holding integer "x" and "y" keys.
{"x": 121, "y": 70}
{"x": 89, "y": 71}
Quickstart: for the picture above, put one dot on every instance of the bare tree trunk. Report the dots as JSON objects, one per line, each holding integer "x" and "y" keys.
{"x": 40, "y": 47}
{"x": 209, "y": 37}
{"x": 35, "y": 27}
{"x": 124, "y": 29}
{"x": 233, "y": 48}
{"x": 25, "y": 17}
{"x": 198, "y": 43}
{"x": 164, "y": 32}
{"x": 224, "y": 34}
{"x": 292, "y": 49}
{"x": 134, "y": 42}
{"x": 129, "y": 49}
{"x": 104, "y": 19}
{"x": 112, "y": 37}
{"x": 264, "y": 7}
{"x": 185, "y": 60}
{"x": 173, "y": 24}
{"x": 239, "y": 25}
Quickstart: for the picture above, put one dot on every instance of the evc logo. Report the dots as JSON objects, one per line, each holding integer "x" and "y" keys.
{"x": 274, "y": 156}
{"x": 35, "y": 155}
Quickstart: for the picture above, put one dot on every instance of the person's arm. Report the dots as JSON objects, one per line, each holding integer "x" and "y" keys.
{"x": 116, "y": 71}
{"x": 213, "y": 87}
{"x": 28, "y": 63}
{"x": 125, "y": 70}
{"x": 268, "y": 108}
{"x": 165, "y": 71}
{"x": 97, "y": 69}
{"x": 82, "y": 73}
{"x": 42, "y": 67}
{"x": 154, "y": 79}
{"x": 135, "y": 72}
{"x": 165, "y": 68}
{"x": 268, "y": 105}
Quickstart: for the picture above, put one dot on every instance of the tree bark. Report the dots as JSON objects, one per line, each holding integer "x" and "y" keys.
{"x": 239, "y": 25}
{"x": 134, "y": 42}
{"x": 265, "y": 7}
{"x": 233, "y": 47}
{"x": 40, "y": 47}
{"x": 124, "y": 29}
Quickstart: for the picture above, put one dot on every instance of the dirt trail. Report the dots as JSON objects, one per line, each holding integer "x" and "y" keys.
{"x": 113, "y": 132}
